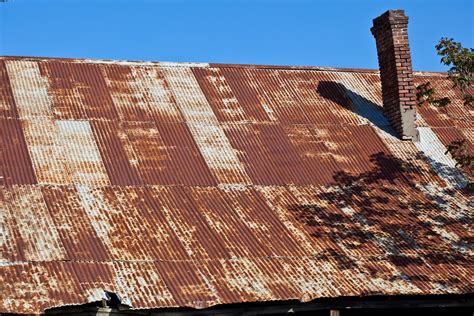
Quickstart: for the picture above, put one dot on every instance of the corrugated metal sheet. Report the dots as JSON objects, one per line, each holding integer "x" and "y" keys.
{"x": 7, "y": 102}
{"x": 455, "y": 114}
{"x": 16, "y": 166}
{"x": 29, "y": 89}
{"x": 194, "y": 185}
{"x": 78, "y": 90}
{"x": 444, "y": 165}
{"x": 203, "y": 124}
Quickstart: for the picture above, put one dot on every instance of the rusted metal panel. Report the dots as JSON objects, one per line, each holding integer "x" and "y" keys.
{"x": 74, "y": 227}
{"x": 449, "y": 134}
{"x": 321, "y": 220}
{"x": 349, "y": 146}
{"x": 142, "y": 212}
{"x": 220, "y": 95}
{"x": 192, "y": 185}
{"x": 283, "y": 203}
{"x": 387, "y": 233}
{"x": 148, "y": 152}
{"x": 291, "y": 97}
{"x": 15, "y": 166}
{"x": 78, "y": 91}
{"x": 319, "y": 165}
{"x": 25, "y": 286}
{"x": 187, "y": 163}
{"x": 263, "y": 223}
{"x": 141, "y": 94}
{"x": 210, "y": 138}
{"x": 7, "y": 103}
{"x": 287, "y": 151}
{"x": 245, "y": 279}
{"x": 130, "y": 224}
{"x": 106, "y": 218}
{"x": 362, "y": 90}
{"x": 321, "y": 97}
{"x": 449, "y": 225}
{"x": 84, "y": 162}
{"x": 11, "y": 249}
{"x": 251, "y": 150}
{"x": 45, "y": 149}
{"x": 30, "y": 89}
{"x": 143, "y": 282}
{"x": 194, "y": 233}
{"x": 187, "y": 284}
{"x": 117, "y": 155}
{"x": 218, "y": 212}
{"x": 37, "y": 234}
{"x": 456, "y": 114}
{"x": 254, "y": 109}
{"x": 415, "y": 165}
{"x": 258, "y": 147}
{"x": 468, "y": 135}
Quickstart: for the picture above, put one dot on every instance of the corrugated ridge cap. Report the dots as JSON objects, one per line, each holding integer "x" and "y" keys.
{"x": 203, "y": 64}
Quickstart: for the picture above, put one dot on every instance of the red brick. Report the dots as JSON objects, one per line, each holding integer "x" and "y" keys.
{"x": 393, "y": 51}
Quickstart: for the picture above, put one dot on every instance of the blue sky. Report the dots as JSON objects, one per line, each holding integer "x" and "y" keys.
{"x": 318, "y": 33}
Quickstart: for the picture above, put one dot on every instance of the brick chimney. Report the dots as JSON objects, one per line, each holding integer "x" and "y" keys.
{"x": 398, "y": 89}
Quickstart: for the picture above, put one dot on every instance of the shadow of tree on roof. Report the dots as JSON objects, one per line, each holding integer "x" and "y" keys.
{"x": 454, "y": 175}
{"x": 348, "y": 99}
{"x": 373, "y": 113}
{"x": 388, "y": 211}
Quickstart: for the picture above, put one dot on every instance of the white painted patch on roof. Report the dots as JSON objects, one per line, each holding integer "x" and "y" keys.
{"x": 30, "y": 89}
{"x": 46, "y": 151}
{"x": 210, "y": 138}
{"x": 444, "y": 165}
{"x": 82, "y": 153}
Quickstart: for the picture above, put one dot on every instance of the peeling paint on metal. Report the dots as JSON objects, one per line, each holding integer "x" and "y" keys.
{"x": 38, "y": 235}
{"x": 30, "y": 89}
{"x": 444, "y": 165}
{"x": 45, "y": 148}
{"x": 81, "y": 153}
{"x": 209, "y": 136}
{"x": 191, "y": 185}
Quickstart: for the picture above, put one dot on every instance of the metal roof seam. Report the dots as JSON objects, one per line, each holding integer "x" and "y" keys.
{"x": 201, "y": 184}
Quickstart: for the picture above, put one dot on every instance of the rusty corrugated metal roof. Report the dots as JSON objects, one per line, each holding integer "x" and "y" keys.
{"x": 199, "y": 184}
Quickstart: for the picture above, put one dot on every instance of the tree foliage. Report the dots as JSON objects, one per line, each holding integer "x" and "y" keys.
{"x": 425, "y": 94}
{"x": 461, "y": 61}
{"x": 461, "y": 73}
{"x": 461, "y": 152}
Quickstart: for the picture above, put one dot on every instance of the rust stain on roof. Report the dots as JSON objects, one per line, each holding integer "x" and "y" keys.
{"x": 194, "y": 185}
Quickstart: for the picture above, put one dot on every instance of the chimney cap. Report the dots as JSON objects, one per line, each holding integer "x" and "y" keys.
{"x": 390, "y": 17}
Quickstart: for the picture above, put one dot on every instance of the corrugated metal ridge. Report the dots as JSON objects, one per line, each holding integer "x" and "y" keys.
{"x": 271, "y": 287}
{"x": 288, "y": 67}
{"x": 107, "y": 61}
{"x": 326, "y": 255}
{"x": 200, "y": 184}
{"x": 222, "y": 186}
{"x": 207, "y": 64}
{"x": 236, "y": 123}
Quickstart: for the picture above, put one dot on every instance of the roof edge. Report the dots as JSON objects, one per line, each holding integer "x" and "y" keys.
{"x": 204, "y": 64}
{"x": 459, "y": 301}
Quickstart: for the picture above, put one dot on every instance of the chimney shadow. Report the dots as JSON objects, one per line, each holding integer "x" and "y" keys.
{"x": 373, "y": 113}
{"x": 348, "y": 99}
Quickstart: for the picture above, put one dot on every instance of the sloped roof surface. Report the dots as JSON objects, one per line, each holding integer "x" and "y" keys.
{"x": 194, "y": 185}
